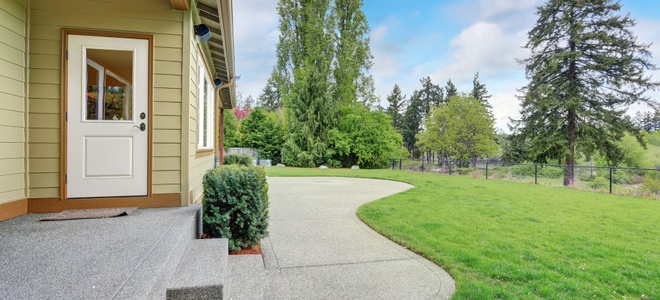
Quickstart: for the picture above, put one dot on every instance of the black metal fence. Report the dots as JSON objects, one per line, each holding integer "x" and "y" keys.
{"x": 614, "y": 180}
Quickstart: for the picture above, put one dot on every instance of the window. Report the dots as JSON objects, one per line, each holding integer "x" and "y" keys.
{"x": 205, "y": 107}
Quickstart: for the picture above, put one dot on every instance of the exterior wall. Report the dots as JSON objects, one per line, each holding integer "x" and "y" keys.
{"x": 13, "y": 47}
{"x": 156, "y": 17}
{"x": 199, "y": 162}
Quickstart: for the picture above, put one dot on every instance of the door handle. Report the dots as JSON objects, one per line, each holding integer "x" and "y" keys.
{"x": 142, "y": 126}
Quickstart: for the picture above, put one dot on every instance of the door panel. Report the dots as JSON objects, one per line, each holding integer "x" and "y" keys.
{"x": 107, "y": 90}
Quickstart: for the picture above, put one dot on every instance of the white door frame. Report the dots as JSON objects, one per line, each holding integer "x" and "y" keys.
{"x": 64, "y": 134}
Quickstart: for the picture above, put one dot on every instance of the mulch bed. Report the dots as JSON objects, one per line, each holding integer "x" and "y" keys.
{"x": 254, "y": 250}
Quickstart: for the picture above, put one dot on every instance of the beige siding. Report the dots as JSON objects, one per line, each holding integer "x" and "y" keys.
{"x": 13, "y": 17}
{"x": 197, "y": 165}
{"x": 145, "y": 16}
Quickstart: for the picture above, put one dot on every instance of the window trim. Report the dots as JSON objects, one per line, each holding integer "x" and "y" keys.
{"x": 205, "y": 108}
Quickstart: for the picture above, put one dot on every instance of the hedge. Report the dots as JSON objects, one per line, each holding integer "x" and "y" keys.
{"x": 235, "y": 205}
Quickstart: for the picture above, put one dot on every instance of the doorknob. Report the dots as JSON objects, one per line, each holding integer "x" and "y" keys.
{"x": 142, "y": 126}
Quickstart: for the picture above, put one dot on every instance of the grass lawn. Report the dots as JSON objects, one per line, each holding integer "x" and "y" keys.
{"x": 510, "y": 240}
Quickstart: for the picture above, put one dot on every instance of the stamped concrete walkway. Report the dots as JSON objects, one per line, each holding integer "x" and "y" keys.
{"x": 319, "y": 249}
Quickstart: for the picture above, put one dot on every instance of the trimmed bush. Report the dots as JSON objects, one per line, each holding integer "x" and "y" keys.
{"x": 235, "y": 205}
{"x": 235, "y": 159}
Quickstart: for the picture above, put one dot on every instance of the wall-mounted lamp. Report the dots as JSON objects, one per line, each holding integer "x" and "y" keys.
{"x": 203, "y": 32}
{"x": 217, "y": 82}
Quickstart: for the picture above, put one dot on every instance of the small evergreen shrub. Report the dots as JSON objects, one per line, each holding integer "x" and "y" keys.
{"x": 235, "y": 205}
{"x": 235, "y": 159}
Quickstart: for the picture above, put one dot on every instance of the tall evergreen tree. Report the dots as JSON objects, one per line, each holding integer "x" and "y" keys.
{"x": 305, "y": 50}
{"x": 586, "y": 67}
{"x": 450, "y": 90}
{"x": 353, "y": 57}
{"x": 271, "y": 96}
{"x": 412, "y": 122}
{"x": 480, "y": 93}
{"x": 395, "y": 107}
{"x": 430, "y": 95}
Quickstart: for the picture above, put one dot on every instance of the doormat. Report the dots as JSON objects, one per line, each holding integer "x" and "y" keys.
{"x": 95, "y": 213}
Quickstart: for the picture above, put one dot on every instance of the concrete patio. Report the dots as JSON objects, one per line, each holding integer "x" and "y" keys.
{"x": 317, "y": 249}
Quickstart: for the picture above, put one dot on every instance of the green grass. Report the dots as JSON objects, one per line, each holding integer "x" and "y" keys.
{"x": 510, "y": 240}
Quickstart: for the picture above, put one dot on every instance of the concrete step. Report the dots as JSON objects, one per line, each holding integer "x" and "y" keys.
{"x": 157, "y": 268}
{"x": 202, "y": 272}
{"x": 248, "y": 280}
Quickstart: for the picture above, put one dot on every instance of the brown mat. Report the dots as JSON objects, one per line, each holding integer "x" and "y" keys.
{"x": 96, "y": 213}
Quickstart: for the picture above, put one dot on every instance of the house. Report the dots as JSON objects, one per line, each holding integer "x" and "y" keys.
{"x": 111, "y": 103}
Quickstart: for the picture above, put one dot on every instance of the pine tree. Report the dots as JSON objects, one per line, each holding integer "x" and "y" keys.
{"x": 480, "y": 93}
{"x": 271, "y": 96}
{"x": 450, "y": 90}
{"x": 430, "y": 95}
{"x": 412, "y": 122}
{"x": 305, "y": 52}
{"x": 586, "y": 67}
{"x": 395, "y": 109}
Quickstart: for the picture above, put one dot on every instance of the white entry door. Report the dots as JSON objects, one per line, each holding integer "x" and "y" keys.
{"x": 107, "y": 94}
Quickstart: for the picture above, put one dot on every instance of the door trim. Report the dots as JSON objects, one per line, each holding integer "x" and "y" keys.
{"x": 64, "y": 101}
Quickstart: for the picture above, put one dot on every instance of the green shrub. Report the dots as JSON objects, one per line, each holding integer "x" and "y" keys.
{"x": 651, "y": 184}
{"x": 624, "y": 176}
{"x": 235, "y": 205}
{"x": 522, "y": 170}
{"x": 235, "y": 159}
{"x": 599, "y": 182}
{"x": 550, "y": 172}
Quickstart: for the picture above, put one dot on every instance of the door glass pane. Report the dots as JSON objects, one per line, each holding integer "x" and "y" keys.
{"x": 109, "y": 85}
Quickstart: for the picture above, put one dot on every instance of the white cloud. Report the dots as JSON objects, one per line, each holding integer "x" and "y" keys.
{"x": 485, "y": 48}
{"x": 255, "y": 35}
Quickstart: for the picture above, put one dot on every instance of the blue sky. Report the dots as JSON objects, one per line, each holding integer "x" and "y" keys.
{"x": 441, "y": 39}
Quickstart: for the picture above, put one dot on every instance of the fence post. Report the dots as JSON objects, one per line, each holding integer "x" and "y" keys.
{"x": 611, "y": 172}
{"x": 400, "y": 163}
{"x": 486, "y": 169}
{"x": 536, "y": 173}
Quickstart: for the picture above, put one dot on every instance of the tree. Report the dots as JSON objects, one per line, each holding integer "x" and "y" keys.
{"x": 648, "y": 121}
{"x": 395, "y": 107}
{"x": 430, "y": 95}
{"x": 353, "y": 57}
{"x": 586, "y": 67}
{"x": 461, "y": 129}
{"x": 232, "y": 137}
{"x": 450, "y": 90}
{"x": 271, "y": 96}
{"x": 305, "y": 51}
{"x": 367, "y": 138}
{"x": 412, "y": 122}
{"x": 262, "y": 131}
{"x": 480, "y": 93}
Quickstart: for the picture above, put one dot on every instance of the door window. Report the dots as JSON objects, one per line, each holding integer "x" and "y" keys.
{"x": 109, "y": 85}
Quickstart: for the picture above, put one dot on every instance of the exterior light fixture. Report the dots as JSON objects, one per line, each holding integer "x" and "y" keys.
{"x": 203, "y": 32}
{"x": 217, "y": 82}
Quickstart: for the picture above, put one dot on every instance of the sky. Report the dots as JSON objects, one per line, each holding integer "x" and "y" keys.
{"x": 412, "y": 39}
